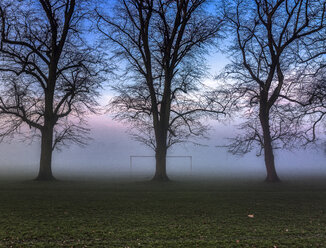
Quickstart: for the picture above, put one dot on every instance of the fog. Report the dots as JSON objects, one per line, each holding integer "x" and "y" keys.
{"x": 107, "y": 157}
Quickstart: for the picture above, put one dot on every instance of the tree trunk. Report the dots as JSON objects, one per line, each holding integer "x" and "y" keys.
{"x": 268, "y": 149}
{"x": 45, "y": 172}
{"x": 160, "y": 157}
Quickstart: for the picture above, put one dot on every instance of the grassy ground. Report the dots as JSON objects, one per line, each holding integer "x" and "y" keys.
{"x": 179, "y": 214}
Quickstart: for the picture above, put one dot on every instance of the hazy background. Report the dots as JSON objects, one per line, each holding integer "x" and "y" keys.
{"x": 108, "y": 154}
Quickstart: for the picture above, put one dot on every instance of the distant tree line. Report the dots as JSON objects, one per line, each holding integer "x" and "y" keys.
{"x": 56, "y": 55}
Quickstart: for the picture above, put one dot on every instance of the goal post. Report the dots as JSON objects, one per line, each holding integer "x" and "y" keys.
{"x": 132, "y": 157}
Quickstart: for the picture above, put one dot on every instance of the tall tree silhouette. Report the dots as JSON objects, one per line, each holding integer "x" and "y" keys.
{"x": 162, "y": 44}
{"x": 268, "y": 36}
{"x": 49, "y": 78}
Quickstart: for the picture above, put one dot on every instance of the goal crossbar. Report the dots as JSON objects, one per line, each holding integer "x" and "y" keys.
{"x": 146, "y": 156}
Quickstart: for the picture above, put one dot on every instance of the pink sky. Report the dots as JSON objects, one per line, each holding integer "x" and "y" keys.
{"x": 108, "y": 154}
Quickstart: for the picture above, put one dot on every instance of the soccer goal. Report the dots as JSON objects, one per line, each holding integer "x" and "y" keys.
{"x": 175, "y": 164}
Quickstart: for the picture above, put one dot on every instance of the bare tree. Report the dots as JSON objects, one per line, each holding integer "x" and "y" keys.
{"x": 309, "y": 100}
{"x": 49, "y": 76}
{"x": 268, "y": 41}
{"x": 308, "y": 89}
{"x": 162, "y": 44}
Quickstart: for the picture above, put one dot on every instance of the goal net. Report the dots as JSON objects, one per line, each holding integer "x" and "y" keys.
{"x": 144, "y": 166}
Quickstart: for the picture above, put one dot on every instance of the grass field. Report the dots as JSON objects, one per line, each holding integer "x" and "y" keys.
{"x": 176, "y": 214}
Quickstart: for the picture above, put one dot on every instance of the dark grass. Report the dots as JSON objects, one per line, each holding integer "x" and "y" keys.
{"x": 177, "y": 214}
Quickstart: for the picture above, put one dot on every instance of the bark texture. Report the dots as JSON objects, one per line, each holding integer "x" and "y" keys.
{"x": 45, "y": 171}
{"x": 268, "y": 149}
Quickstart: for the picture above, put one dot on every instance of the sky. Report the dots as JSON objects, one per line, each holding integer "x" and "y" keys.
{"x": 108, "y": 154}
